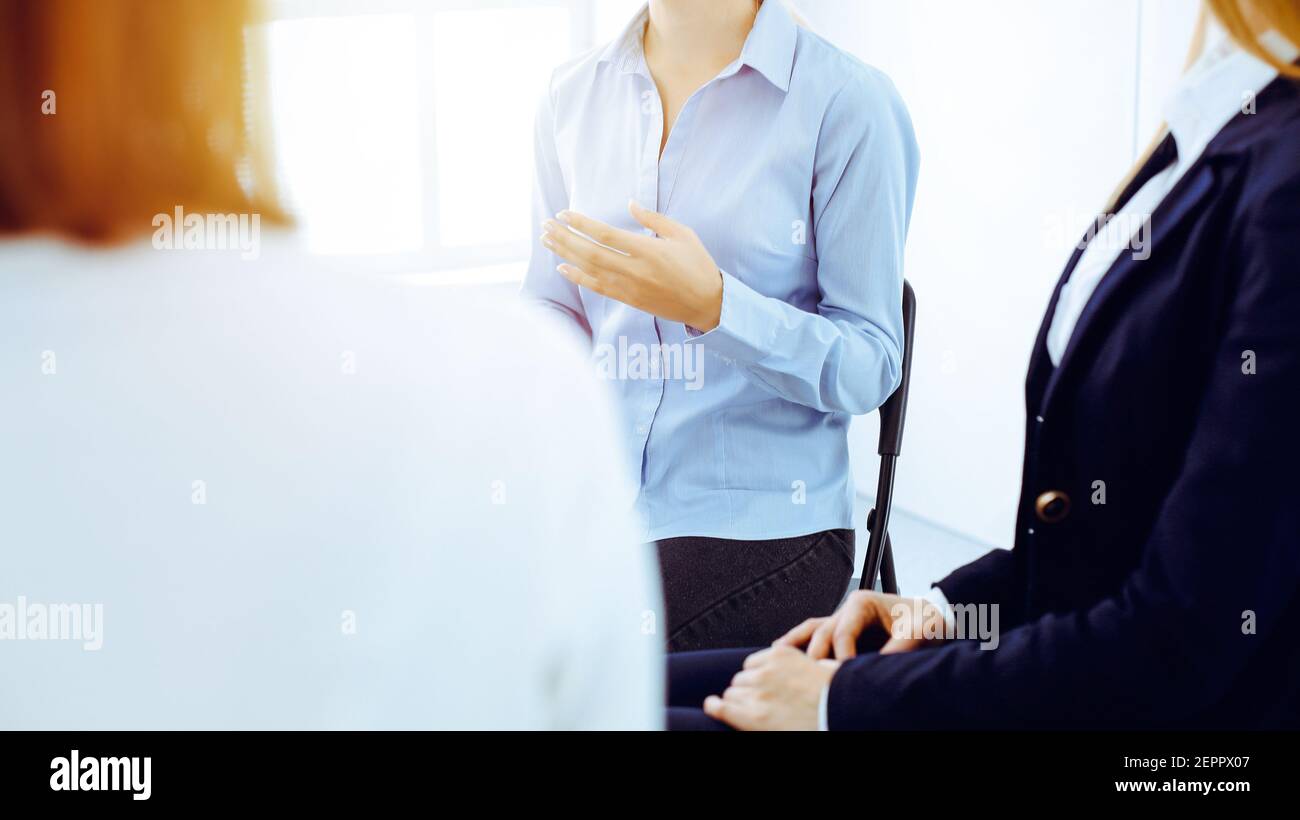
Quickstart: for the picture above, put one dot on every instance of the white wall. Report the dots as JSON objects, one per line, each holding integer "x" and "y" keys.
{"x": 1028, "y": 113}
{"x": 1167, "y": 27}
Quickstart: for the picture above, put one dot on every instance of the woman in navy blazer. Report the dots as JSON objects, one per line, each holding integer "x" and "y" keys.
{"x": 1155, "y": 579}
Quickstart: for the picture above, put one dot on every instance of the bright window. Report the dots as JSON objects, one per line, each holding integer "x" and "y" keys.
{"x": 485, "y": 108}
{"x": 347, "y": 130}
{"x": 404, "y": 128}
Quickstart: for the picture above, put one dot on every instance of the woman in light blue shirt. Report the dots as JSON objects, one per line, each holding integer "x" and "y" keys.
{"x": 724, "y": 199}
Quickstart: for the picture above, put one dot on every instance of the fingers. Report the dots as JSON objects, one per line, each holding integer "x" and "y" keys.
{"x": 847, "y": 629}
{"x": 905, "y": 631}
{"x": 729, "y": 712}
{"x": 895, "y": 646}
{"x": 582, "y": 252}
{"x": 581, "y": 278}
{"x": 838, "y": 635}
{"x": 715, "y": 708}
{"x": 607, "y": 235}
{"x": 801, "y": 634}
{"x": 923, "y": 622}
{"x": 656, "y": 222}
{"x": 819, "y": 645}
{"x": 737, "y": 707}
{"x": 760, "y": 665}
{"x": 747, "y": 678}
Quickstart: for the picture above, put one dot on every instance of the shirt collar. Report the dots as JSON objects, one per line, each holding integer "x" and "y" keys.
{"x": 1218, "y": 87}
{"x": 769, "y": 48}
{"x": 625, "y": 50}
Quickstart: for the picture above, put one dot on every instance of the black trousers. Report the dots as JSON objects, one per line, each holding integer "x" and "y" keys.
{"x": 724, "y": 594}
{"x": 692, "y": 677}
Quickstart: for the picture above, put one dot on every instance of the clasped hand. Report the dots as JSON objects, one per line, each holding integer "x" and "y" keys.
{"x": 781, "y": 687}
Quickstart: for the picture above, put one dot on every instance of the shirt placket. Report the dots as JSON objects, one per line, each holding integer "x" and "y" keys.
{"x": 656, "y": 180}
{"x": 647, "y": 195}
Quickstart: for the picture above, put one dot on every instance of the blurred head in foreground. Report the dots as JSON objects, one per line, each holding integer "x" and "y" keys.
{"x": 113, "y": 111}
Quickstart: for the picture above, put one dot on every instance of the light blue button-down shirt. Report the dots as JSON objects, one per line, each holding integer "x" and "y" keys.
{"x": 796, "y": 166}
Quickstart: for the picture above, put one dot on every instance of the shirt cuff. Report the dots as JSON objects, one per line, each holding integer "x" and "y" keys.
{"x": 745, "y": 329}
{"x": 936, "y": 597}
{"x": 823, "y": 722}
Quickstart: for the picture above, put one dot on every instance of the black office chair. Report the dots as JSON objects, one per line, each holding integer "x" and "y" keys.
{"x": 880, "y": 553}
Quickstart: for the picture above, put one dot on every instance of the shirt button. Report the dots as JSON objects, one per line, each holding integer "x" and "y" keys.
{"x": 1040, "y": 419}
{"x": 641, "y": 429}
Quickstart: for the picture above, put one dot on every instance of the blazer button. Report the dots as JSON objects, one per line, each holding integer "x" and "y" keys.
{"x": 1052, "y": 507}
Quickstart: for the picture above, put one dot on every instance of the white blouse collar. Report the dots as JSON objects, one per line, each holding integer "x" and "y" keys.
{"x": 1222, "y": 83}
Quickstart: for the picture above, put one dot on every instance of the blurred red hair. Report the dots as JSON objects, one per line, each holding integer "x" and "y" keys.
{"x": 112, "y": 111}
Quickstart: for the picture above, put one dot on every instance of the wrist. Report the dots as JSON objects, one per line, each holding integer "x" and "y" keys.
{"x": 710, "y": 315}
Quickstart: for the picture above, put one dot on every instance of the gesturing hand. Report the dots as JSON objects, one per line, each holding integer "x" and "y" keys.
{"x": 909, "y": 622}
{"x": 670, "y": 275}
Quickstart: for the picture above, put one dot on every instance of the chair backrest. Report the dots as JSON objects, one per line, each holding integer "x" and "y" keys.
{"x": 879, "y": 561}
{"x": 893, "y": 413}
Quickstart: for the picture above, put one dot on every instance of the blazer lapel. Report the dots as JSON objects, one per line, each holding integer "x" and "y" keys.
{"x": 1040, "y": 363}
{"x": 1181, "y": 203}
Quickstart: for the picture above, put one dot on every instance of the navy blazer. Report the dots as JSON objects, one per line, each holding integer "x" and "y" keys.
{"x": 1176, "y": 602}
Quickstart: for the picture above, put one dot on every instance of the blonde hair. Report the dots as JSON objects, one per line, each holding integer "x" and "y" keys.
{"x": 1244, "y": 21}
{"x": 112, "y": 112}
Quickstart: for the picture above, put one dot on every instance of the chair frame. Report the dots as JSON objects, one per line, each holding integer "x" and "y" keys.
{"x": 879, "y": 563}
